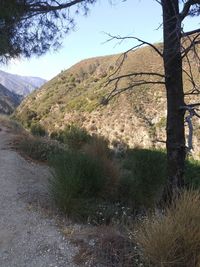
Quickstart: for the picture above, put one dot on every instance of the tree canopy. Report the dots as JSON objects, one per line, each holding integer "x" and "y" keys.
{"x": 30, "y": 27}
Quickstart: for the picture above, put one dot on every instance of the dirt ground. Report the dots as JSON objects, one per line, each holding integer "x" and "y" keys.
{"x": 28, "y": 238}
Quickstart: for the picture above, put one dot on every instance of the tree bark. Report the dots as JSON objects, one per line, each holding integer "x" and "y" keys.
{"x": 176, "y": 151}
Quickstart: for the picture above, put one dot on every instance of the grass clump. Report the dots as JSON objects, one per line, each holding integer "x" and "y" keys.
{"x": 97, "y": 147}
{"x": 144, "y": 177}
{"x": 173, "y": 239}
{"x": 37, "y": 148}
{"x": 76, "y": 178}
{"x": 37, "y": 129}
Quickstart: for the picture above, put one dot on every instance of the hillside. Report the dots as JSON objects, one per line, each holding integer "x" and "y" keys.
{"x": 136, "y": 118}
{"x": 8, "y": 100}
{"x": 21, "y": 85}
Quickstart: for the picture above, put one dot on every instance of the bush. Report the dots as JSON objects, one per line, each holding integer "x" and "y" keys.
{"x": 73, "y": 136}
{"x": 76, "y": 178}
{"x": 173, "y": 239}
{"x": 144, "y": 177}
{"x": 37, "y": 148}
{"x": 192, "y": 174}
{"x": 98, "y": 148}
{"x": 37, "y": 129}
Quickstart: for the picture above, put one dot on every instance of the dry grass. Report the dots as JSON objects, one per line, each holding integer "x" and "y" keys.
{"x": 173, "y": 239}
{"x": 12, "y": 125}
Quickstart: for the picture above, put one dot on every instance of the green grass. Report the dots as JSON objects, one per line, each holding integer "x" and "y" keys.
{"x": 76, "y": 178}
{"x": 144, "y": 177}
{"x": 37, "y": 129}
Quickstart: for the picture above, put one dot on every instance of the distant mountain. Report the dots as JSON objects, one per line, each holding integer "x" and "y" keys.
{"x": 21, "y": 85}
{"x": 8, "y": 100}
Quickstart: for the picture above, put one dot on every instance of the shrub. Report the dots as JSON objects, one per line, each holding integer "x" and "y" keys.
{"x": 11, "y": 123}
{"x": 76, "y": 178}
{"x": 73, "y": 136}
{"x": 144, "y": 177}
{"x": 37, "y": 148}
{"x": 98, "y": 148}
{"x": 192, "y": 174}
{"x": 174, "y": 238}
{"x": 37, "y": 129}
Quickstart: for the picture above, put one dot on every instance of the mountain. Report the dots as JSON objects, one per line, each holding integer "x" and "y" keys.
{"x": 8, "y": 100}
{"x": 135, "y": 118}
{"x": 21, "y": 85}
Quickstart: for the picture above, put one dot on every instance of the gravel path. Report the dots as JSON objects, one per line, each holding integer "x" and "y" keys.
{"x": 28, "y": 238}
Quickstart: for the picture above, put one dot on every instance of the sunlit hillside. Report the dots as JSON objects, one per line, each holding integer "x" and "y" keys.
{"x": 136, "y": 118}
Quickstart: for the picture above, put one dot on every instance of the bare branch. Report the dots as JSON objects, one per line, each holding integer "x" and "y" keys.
{"x": 123, "y": 56}
{"x": 186, "y": 8}
{"x": 137, "y": 39}
{"x": 184, "y": 34}
{"x": 117, "y": 91}
{"x": 135, "y": 74}
{"x": 193, "y": 43}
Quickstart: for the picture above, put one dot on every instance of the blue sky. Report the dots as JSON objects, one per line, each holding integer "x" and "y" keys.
{"x": 139, "y": 18}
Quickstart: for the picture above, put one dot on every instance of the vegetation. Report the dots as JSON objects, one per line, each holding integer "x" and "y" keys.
{"x": 145, "y": 177}
{"x": 17, "y": 18}
{"x": 87, "y": 185}
{"x": 134, "y": 182}
{"x": 173, "y": 238}
{"x": 73, "y": 136}
{"x": 8, "y": 100}
{"x": 38, "y": 148}
{"x": 76, "y": 179}
{"x": 37, "y": 129}
{"x": 80, "y": 176}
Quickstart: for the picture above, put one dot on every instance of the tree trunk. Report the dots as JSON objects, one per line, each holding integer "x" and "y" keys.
{"x": 176, "y": 152}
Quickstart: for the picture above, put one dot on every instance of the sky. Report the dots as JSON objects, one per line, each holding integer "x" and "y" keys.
{"x": 141, "y": 18}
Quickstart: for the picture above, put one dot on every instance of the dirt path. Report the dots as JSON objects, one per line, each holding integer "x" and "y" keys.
{"x": 27, "y": 237}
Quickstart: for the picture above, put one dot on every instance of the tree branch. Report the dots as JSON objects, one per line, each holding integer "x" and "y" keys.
{"x": 185, "y": 34}
{"x": 186, "y": 8}
{"x": 42, "y": 6}
{"x": 137, "y": 39}
{"x": 137, "y": 74}
{"x": 116, "y": 91}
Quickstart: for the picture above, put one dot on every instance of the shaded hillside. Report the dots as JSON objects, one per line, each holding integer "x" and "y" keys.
{"x": 21, "y": 85}
{"x": 8, "y": 100}
{"x": 136, "y": 118}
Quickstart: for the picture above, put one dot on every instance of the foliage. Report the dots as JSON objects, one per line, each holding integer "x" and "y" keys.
{"x": 173, "y": 239}
{"x": 144, "y": 177}
{"x": 72, "y": 135}
{"x": 10, "y": 123}
{"x": 192, "y": 174}
{"x": 97, "y": 147}
{"x": 17, "y": 19}
{"x": 38, "y": 148}
{"x": 27, "y": 117}
{"x": 76, "y": 178}
{"x": 37, "y": 129}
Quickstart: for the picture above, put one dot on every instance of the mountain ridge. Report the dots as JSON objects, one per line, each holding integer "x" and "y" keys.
{"x": 21, "y": 85}
{"x": 8, "y": 100}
